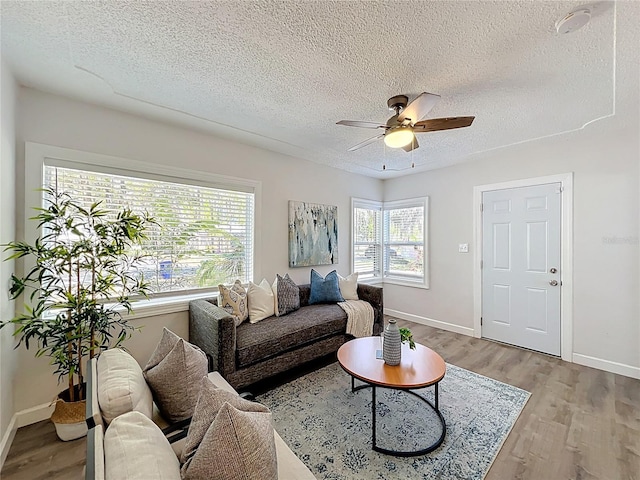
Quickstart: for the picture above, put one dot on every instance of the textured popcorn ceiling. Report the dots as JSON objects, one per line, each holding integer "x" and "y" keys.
{"x": 280, "y": 74}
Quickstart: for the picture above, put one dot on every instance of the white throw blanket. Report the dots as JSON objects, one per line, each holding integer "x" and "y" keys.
{"x": 360, "y": 317}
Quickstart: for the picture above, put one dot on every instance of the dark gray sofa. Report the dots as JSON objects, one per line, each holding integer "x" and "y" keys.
{"x": 251, "y": 352}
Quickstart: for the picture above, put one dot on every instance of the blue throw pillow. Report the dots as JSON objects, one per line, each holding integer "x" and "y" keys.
{"x": 325, "y": 290}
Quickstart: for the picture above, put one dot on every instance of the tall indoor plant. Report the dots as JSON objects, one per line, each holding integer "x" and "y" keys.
{"x": 80, "y": 275}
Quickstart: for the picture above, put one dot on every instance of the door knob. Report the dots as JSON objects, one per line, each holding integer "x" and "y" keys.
{"x": 553, "y": 270}
{"x": 553, "y": 283}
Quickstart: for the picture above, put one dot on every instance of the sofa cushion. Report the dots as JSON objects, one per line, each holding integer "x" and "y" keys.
{"x": 135, "y": 448}
{"x": 234, "y": 301}
{"x": 275, "y": 335}
{"x": 174, "y": 373}
{"x": 349, "y": 286}
{"x": 261, "y": 301}
{"x": 325, "y": 289}
{"x": 287, "y": 295}
{"x": 121, "y": 385}
{"x": 238, "y": 445}
{"x": 210, "y": 401}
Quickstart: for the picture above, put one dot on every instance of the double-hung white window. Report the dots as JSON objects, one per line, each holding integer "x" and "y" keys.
{"x": 367, "y": 239}
{"x": 390, "y": 240}
{"x": 204, "y": 230}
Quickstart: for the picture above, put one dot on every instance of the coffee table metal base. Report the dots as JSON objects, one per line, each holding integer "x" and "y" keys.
{"x": 397, "y": 453}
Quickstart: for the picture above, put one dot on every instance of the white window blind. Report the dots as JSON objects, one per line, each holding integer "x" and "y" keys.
{"x": 367, "y": 237}
{"x": 404, "y": 240}
{"x": 203, "y": 237}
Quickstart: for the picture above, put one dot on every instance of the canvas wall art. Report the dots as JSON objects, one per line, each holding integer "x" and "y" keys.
{"x": 313, "y": 234}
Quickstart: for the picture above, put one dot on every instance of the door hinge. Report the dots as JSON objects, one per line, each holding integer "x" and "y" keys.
{"x": 481, "y": 264}
{"x": 480, "y": 321}
{"x": 481, "y": 207}
{"x": 560, "y": 190}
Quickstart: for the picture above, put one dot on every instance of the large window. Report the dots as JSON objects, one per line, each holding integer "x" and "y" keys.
{"x": 389, "y": 240}
{"x": 203, "y": 236}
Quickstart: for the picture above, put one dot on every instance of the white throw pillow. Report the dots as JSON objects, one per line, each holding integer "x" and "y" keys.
{"x": 135, "y": 448}
{"x": 121, "y": 385}
{"x": 261, "y": 301}
{"x": 349, "y": 286}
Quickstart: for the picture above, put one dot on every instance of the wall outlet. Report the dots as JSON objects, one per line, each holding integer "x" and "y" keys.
{"x": 463, "y": 248}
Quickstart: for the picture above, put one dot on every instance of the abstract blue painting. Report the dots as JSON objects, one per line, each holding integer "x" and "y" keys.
{"x": 313, "y": 234}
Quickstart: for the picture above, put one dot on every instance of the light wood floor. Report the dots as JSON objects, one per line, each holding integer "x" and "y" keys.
{"x": 579, "y": 424}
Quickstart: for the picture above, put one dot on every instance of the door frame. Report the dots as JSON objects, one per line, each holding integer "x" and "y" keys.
{"x": 566, "y": 252}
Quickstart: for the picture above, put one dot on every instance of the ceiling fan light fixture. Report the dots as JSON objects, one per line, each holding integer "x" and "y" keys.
{"x": 398, "y": 137}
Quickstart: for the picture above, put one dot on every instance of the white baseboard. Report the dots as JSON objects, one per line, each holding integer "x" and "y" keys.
{"x": 34, "y": 414}
{"x": 7, "y": 440}
{"x": 451, "y": 327}
{"x": 607, "y": 365}
{"x": 22, "y": 419}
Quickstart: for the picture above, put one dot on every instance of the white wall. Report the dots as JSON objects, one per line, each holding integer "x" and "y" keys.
{"x": 606, "y": 280}
{"x": 604, "y": 157}
{"x": 53, "y": 120}
{"x": 8, "y": 357}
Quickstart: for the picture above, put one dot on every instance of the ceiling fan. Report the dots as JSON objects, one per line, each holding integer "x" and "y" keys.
{"x": 400, "y": 129}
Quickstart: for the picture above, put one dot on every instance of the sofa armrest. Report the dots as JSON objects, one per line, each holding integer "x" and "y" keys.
{"x": 375, "y": 296}
{"x": 93, "y": 416}
{"x": 213, "y": 330}
{"x": 94, "y": 464}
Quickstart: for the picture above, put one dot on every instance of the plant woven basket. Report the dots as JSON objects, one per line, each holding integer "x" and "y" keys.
{"x": 69, "y": 419}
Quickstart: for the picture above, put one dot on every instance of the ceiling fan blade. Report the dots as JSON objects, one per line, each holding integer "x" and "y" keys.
{"x": 446, "y": 123}
{"x": 366, "y": 142}
{"x": 419, "y": 107}
{"x": 356, "y": 123}
{"x": 412, "y": 146}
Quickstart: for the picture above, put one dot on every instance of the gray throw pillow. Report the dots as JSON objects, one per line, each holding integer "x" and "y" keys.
{"x": 287, "y": 295}
{"x": 210, "y": 400}
{"x": 231, "y": 442}
{"x": 174, "y": 373}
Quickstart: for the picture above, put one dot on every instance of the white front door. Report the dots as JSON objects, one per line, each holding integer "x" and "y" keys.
{"x": 521, "y": 266}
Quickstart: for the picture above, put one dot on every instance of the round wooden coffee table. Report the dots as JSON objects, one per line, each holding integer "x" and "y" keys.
{"x": 418, "y": 368}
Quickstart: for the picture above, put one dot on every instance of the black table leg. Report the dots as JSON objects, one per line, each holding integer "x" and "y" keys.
{"x": 434, "y": 406}
{"x": 373, "y": 416}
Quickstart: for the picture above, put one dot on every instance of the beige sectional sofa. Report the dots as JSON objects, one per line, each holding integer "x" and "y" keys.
{"x": 134, "y": 446}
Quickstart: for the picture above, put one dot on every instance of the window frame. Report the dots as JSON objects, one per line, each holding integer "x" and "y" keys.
{"x": 384, "y": 277}
{"x": 37, "y": 155}
{"x": 370, "y": 205}
{"x": 399, "y": 279}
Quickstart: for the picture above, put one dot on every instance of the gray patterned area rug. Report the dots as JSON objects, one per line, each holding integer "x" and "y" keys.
{"x": 329, "y": 427}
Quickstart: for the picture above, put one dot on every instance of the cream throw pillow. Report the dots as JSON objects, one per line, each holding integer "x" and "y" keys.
{"x": 349, "y": 286}
{"x": 136, "y": 449}
{"x": 261, "y": 301}
{"x": 174, "y": 373}
{"x": 121, "y": 385}
{"x": 234, "y": 301}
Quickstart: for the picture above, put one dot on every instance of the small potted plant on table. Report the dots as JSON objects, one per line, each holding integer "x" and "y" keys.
{"x": 80, "y": 277}
{"x": 407, "y": 337}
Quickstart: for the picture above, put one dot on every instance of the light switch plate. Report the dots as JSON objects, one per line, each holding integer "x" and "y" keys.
{"x": 463, "y": 248}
